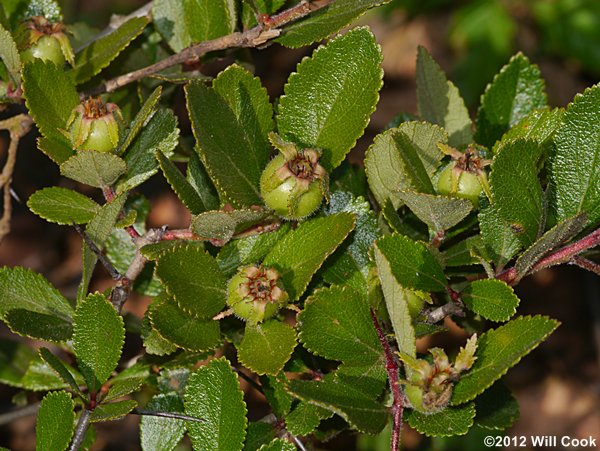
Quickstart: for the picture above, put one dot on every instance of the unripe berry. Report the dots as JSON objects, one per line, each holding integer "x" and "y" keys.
{"x": 465, "y": 176}
{"x": 38, "y": 38}
{"x": 293, "y": 184}
{"x": 93, "y": 126}
{"x": 256, "y": 293}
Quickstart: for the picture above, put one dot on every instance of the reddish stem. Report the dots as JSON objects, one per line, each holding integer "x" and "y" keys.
{"x": 110, "y": 195}
{"x": 393, "y": 376}
{"x": 563, "y": 255}
{"x": 180, "y": 234}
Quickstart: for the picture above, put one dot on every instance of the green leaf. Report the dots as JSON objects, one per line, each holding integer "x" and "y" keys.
{"x": 361, "y": 411}
{"x": 112, "y": 411}
{"x": 539, "y": 126}
{"x": 460, "y": 253}
{"x": 438, "y": 212}
{"x": 141, "y": 118}
{"x": 328, "y": 101}
{"x": 305, "y": 418}
{"x": 199, "y": 179}
{"x": 62, "y": 206}
{"x": 184, "y": 190}
{"x": 245, "y": 251}
{"x": 55, "y": 422}
{"x": 397, "y": 300}
{"x": 496, "y": 408}
{"x": 574, "y": 164}
{"x": 500, "y": 349}
{"x": 99, "y": 54}
{"x": 514, "y": 176}
{"x": 9, "y": 54}
{"x": 41, "y": 377}
{"x": 446, "y": 423}
{"x": 514, "y": 93}
{"x": 299, "y": 254}
{"x": 221, "y": 225}
{"x": 98, "y": 230}
{"x": 278, "y": 444}
{"x": 57, "y": 151}
{"x": 182, "y": 23}
{"x": 14, "y": 361}
{"x": 183, "y": 329}
{"x": 127, "y": 381}
{"x": 231, "y": 122}
{"x": 154, "y": 343}
{"x": 440, "y": 102}
{"x": 39, "y": 326}
{"x": 50, "y": 96}
{"x": 258, "y": 434}
{"x": 59, "y": 368}
{"x": 553, "y": 238}
{"x": 98, "y": 337}
{"x": 411, "y": 263}
{"x": 266, "y": 347}
{"x": 492, "y": 299}
{"x": 24, "y": 289}
{"x": 498, "y": 236}
{"x": 336, "y": 324}
{"x": 353, "y": 265}
{"x": 98, "y": 169}
{"x": 213, "y": 394}
{"x": 159, "y": 134}
{"x": 162, "y": 434}
{"x": 274, "y": 389}
{"x": 325, "y": 22}
{"x": 194, "y": 280}
{"x": 403, "y": 158}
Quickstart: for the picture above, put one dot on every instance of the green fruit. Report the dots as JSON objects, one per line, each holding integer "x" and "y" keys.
{"x": 93, "y": 126}
{"x": 460, "y": 183}
{"x": 256, "y": 293}
{"x": 294, "y": 183}
{"x": 38, "y": 38}
{"x": 47, "y": 48}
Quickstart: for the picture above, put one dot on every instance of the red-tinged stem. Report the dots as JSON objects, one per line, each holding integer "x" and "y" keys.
{"x": 586, "y": 264}
{"x": 179, "y": 234}
{"x": 110, "y": 195}
{"x": 393, "y": 372}
{"x": 563, "y": 255}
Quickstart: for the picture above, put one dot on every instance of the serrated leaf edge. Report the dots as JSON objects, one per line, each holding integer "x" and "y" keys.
{"x": 260, "y": 373}
{"x": 416, "y": 426}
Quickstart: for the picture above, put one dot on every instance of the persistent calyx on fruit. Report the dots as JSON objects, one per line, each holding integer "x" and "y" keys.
{"x": 294, "y": 183}
{"x": 428, "y": 386}
{"x": 93, "y": 126}
{"x": 256, "y": 293}
{"x": 37, "y": 37}
{"x": 465, "y": 176}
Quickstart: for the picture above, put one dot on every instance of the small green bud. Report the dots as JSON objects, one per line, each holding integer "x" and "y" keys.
{"x": 294, "y": 183}
{"x": 256, "y": 293}
{"x": 93, "y": 126}
{"x": 38, "y": 38}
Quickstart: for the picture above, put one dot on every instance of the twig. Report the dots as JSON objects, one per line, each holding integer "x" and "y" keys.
{"x": 176, "y": 416}
{"x": 586, "y": 264}
{"x": 253, "y": 37}
{"x": 563, "y": 255}
{"x": 450, "y": 308}
{"x": 18, "y": 126}
{"x": 99, "y": 254}
{"x": 393, "y": 372}
{"x": 82, "y": 426}
{"x": 16, "y": 414}
{"x": 248, "y": 379}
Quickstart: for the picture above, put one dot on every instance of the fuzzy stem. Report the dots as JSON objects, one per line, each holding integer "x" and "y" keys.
{"x": 82, "y": 426}
{"x": 174, "y": 415}
{"x": 254, "y": 37}
{"x": 393, "y": 372}
{"x": 563, "y": 255}
{"x": 586, "y": 264}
